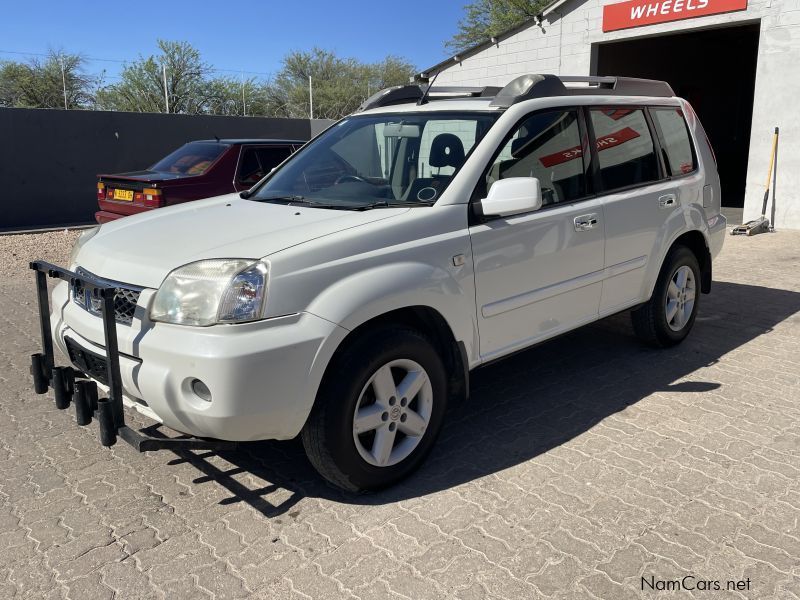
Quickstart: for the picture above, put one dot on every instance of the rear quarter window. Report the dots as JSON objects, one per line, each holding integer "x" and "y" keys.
{"x": 675, "y": 140}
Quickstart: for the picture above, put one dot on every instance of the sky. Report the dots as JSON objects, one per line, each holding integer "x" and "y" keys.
{"x": 240, "y": 36}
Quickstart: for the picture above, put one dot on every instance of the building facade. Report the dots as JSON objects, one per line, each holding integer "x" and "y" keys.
{"x": 736, "y": 61}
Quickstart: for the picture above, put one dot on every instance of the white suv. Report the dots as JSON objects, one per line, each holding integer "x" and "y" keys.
{"x": 347, "y": 296}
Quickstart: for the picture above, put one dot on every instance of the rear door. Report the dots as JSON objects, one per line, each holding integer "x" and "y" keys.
{"x": 539, "y": 273}
{"x": 639, "y": 198}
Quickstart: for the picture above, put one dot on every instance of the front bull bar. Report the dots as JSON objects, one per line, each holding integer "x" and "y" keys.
{"x": 71, "y": 385}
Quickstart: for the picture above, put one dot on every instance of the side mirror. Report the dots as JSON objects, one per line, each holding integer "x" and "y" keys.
{"x": 512, "y": 196}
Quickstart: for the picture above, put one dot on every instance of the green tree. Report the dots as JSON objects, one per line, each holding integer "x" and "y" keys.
{"x": 41, "y": 83}
{"x": 237, "y": 96}
{"x": 141, "y": 88}
{"x": 339, "y": 85}
{"x": 484, "y": 19}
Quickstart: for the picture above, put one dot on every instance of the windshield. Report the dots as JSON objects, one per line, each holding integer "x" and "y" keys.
{"x": 193, "y": 158}
{"x": 386, "y": 159}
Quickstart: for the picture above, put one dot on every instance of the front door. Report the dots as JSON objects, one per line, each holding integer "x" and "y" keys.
{"x": 539, "y": 273}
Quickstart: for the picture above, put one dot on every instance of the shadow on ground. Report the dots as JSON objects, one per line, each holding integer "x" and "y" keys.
{"x": 524, "y": 406}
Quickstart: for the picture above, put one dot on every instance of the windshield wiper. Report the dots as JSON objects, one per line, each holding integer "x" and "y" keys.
{"x": 387, "y": 204}
{"x": 292, "y": 200}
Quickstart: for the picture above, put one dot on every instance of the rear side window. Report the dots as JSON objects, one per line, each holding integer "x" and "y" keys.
{"x": 546, "y": 145}
{"x": 675, "y": 140}
{"x": 256, "y": 162}
{"x": 625, "y": 149}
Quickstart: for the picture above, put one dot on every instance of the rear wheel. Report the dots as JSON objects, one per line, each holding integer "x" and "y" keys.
{"x": 378, "y": 411}
{"x": 667, "y": 318}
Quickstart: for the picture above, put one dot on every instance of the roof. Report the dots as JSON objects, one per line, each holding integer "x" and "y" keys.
{"x": 480, "y": 47}
{"x": 252, "y": 141}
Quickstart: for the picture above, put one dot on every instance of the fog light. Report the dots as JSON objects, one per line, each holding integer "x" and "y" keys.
{"x": 201, "y": 389}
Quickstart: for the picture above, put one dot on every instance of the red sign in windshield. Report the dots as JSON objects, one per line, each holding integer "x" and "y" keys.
{"x": 603, "y": 143}
{"x": 636, "y": 13}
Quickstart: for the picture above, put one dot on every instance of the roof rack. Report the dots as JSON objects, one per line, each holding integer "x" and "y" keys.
{"x": 527, "y": 87}
{"x": 402, "y": 94}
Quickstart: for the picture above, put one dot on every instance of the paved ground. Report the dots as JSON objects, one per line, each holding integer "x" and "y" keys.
{"x": 577, "y": 469}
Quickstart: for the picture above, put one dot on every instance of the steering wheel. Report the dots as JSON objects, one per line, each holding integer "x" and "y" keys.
{"x": 348, "y": 177}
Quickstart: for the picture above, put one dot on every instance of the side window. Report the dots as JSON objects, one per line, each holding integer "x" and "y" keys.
{"x": 675, "y": 140}
{"x": 249, "y": 168}
{"x": 547, "y": 145}
{"x": 258, "y": 161}
{"x": 271, "y": 156}
{"x": 625, "y": 149}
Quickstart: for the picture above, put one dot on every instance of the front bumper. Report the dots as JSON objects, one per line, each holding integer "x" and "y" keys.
{"x": 262, "y": 376}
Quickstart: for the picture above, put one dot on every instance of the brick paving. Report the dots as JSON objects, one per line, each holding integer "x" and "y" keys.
{"x": 576, "y": 469}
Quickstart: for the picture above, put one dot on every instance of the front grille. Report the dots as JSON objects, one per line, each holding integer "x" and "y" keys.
{"x": 90, "y": 363}
{"x": 125, "y": 298}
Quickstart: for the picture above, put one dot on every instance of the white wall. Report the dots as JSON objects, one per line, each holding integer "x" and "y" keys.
{"x": 563, "y": 43}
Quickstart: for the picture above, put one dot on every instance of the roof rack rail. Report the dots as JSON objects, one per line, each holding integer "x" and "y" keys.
{"x": 402, "y": 94}
{"x": 527, "y": 87}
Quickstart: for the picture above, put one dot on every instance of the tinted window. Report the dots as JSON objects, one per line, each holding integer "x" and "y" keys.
{"x": 624, "y": 147}
{"x": 258, "y": 161}
{"x": 547, "y": 146}
{"x": 193, "y": 158}
{"x": 271, "y": 156}
{"x": 675, "y": 140}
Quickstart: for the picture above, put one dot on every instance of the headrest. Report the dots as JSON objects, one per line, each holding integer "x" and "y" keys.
{"x": 447, "y": 151}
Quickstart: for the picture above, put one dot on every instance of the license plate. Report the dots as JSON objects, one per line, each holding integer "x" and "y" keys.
{"x": 123, "y": 195}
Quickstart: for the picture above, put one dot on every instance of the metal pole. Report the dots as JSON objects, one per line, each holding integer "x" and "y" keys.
{"x": 166, "y": 96}
{"x": 310, "y": 99}
{"x": 244, "y": 106}
{"x": 63, "y": 80}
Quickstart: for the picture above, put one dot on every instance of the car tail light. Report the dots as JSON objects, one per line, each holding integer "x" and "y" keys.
{"x": 109, "y": 194}
{"x": 153, "y": 197}
{"x": 101, "y": 190}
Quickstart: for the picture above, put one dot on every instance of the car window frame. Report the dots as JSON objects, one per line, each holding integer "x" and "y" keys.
{"x": 583, "y": 134}
{"x": 662, "y": 168}
{"x": 663, "y": 145}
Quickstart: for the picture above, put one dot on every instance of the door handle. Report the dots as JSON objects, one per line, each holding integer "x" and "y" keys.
{"x": 667, "y": 200}
{"x": 585, "y": 222}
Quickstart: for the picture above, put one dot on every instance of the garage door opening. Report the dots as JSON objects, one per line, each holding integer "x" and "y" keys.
{"x": 715, "y": 70}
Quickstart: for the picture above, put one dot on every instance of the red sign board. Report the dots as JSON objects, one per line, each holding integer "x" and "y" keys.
{"x": 603, "y": 143}
{"x": 636, "y": 13}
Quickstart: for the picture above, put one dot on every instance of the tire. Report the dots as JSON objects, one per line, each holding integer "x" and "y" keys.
{"x": 376, "y": 365}
{"x": 665, "y": 321}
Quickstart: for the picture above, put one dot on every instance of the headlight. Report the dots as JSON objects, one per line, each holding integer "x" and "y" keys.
{"x": 82, "y": 239}
{"x": 212, "y": 291}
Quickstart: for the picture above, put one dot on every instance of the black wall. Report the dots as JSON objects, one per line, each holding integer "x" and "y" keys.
{"x": 49, "y": 158}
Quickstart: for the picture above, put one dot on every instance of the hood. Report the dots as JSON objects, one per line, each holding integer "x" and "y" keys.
{"x": 142, "y": 249}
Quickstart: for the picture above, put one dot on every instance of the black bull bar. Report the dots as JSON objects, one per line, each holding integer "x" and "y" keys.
{"x": 73, "y": 386}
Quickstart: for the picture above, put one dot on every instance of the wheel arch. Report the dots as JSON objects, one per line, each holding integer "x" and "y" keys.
{"x": 428, "y": 321}
{"x": 696, "y": 241}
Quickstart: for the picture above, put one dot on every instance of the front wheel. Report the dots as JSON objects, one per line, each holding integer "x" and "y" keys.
{"x": 379, "y": 410}
{"x": 667, "y": 318}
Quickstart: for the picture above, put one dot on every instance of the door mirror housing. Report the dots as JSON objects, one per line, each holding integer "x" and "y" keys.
{"x": 512, "y": 196}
